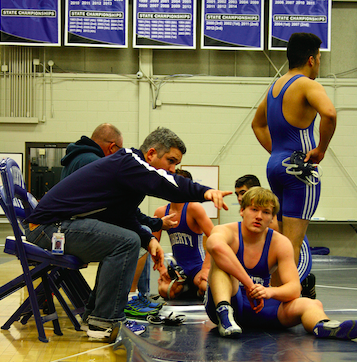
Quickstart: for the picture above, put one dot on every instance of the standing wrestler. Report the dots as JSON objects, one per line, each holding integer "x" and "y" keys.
{"x": 284, "y": 123}
{"x": 239, "y": 292}
{"x": 187, "y": 247}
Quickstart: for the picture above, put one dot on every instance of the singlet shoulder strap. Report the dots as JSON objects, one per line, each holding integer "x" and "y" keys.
{"x": 184, "y": 213}
{"x": 241, "y": 244}
{"x": 267, "y": 241}
{"x": 285, "y": 87}
{"x": 289, "y": 82}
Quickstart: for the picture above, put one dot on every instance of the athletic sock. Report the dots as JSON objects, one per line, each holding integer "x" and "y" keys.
{"x": 132, "y": 294}
{"x": 222, "y": 303}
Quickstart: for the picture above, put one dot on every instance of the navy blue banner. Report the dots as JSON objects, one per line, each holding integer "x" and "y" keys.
{"x": 165, "y": 24}
{"x": 30, "y": 22}
{"x": 299, "y": 16}
{"x": 228, "y": 24}
{"x": 97, "y": 23}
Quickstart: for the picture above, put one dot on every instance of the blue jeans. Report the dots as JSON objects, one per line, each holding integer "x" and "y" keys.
{"x": 144, "y": 280}
{"x": 114, "y": 247}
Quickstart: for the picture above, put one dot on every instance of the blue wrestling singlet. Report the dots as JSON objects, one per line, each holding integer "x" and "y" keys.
{"x": 297, "y": 199}
{"x": 260, "y": 274}
{"x": 187, "y": 246}
{"x": 243, "y": 313}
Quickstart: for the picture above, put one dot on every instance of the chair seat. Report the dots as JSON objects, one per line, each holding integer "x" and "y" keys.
{"x": 37, "y": 254}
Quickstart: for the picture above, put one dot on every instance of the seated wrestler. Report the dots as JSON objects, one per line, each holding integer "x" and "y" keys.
{"x": 187, "y": 246}
{"x": 243, "y": 255}
{"x": 307, "y": 279}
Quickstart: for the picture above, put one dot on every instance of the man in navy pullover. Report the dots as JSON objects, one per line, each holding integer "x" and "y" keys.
{"x": 106, "y": 140}
{"x": 98, "y": 216}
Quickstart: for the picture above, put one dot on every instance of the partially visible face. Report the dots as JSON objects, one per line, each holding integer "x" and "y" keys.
{"x": 316, "y": 67}
{"x": 112, "y": 146}
{"x": 168, "y": 161}
{"x": 163, "y": 286}
{"x": 240, "y": 191}
{"x": 256, "y": 218}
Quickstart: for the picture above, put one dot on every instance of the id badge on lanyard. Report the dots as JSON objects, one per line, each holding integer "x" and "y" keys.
{"x": 58, "y": 242}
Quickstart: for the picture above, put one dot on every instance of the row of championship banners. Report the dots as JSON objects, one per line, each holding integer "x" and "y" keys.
{"x": 164, "y": 24}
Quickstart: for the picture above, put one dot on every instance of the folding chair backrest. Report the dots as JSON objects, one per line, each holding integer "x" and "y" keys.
{"x": 2, "y": 200}
{"x": 20, "y": 212}
{"x": 13, "y": 193}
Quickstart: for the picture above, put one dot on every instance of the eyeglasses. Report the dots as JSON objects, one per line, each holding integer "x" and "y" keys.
{"x": 114, "y": 143}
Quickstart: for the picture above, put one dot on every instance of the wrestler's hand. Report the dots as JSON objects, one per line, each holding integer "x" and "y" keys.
{"x": 202, "y": 275}
{"x": 256, "y": 302}
{"x": 162, "y": 270}
{"x": 167, "y": 223}
{"x": 200, "y": 281}
{"x": 216, "y": 196}
{"x": 258, "y": 291}
{"x": 157, "y": 253}
{"x": 202, "y": 287}
{"x": 314, "y": 156}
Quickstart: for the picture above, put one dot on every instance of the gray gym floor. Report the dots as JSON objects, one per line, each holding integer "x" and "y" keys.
{"x": 198, "y": 339}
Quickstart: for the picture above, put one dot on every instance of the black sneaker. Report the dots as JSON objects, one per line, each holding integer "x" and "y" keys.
{"x": 109, "y": 334}
{"x": 99, "y": 333}
{"x": 308, "y": 287}
{"x": 336, "y": 329}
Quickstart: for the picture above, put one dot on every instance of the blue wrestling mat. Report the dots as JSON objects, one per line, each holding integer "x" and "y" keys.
{"x": 197, "y": 339}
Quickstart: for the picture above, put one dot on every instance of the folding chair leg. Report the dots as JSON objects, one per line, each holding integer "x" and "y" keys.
{"x": 52, "y": 310}
{"x": 75, "y": 287}
{"x": 17, "y": 315}
{"x": 24, "y": 312}
{"x": 36, "y": 313}
{"x": 81, "y": 284}
{"x": 64, "y": 305}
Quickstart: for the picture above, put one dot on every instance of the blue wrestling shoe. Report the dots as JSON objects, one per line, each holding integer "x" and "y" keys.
{"x": 336, "y": 329}
{"x": 135, "y": 327}
{"x": 147, "y": 303}
{"x": 136, "y": 309}
{"x": 227, "y": 326}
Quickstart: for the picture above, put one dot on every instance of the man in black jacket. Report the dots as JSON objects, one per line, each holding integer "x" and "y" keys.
{"x": 97, "y": 216}
{"x": 105, "y": 141}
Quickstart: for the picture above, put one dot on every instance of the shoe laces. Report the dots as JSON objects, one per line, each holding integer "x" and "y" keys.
{"x": 136, "y": 303}
{"x": 144, "y": 300}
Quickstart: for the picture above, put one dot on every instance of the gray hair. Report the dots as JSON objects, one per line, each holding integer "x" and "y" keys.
{"x": 162, "y": 139}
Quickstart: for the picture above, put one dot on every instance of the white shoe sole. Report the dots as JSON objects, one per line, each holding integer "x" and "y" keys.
{"x": 84, "y": 327}
{"x": 102, "y": 335}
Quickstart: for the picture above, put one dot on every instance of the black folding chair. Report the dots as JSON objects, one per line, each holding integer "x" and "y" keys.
{"x": 55, "y": 271}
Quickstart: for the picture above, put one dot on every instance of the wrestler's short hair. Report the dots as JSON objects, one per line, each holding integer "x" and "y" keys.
{"x": 300, "y": 47}
{"x": 162, "y": 139}
{"x": 183, "y": 173}
{"x": 260, "y": 197}
{"x": 247, "y": 180}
